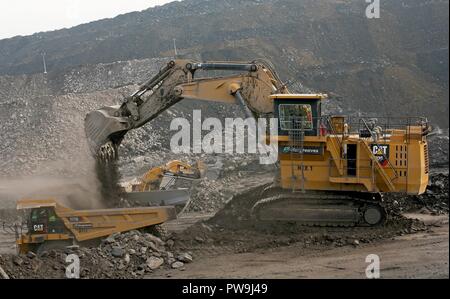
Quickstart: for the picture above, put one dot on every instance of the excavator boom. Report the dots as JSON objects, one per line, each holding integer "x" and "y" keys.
{"x": 105, "y": 128}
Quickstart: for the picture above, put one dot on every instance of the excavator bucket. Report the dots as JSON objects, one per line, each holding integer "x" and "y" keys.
{"x": 104, "y": 131}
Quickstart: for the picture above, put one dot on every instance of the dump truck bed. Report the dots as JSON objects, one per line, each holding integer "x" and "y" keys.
{"x": 90, "y": 224}
{"x": 83, "y": 225}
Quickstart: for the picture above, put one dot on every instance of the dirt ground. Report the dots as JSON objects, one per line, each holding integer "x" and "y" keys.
{"x": 418, "y": 255}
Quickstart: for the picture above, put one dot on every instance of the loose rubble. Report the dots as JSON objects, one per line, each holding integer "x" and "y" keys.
{"x": 214, "y": 237}
{"x": 133, "y": 254}
{"x": 434, "y": 201}
{"x": 211, "y": 195}
{"x": 438, "y": 142}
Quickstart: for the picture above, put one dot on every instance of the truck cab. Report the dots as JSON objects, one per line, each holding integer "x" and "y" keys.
{"x": 43, "y": 220}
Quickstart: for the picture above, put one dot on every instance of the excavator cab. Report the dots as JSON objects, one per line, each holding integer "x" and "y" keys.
{"x": 298, "y": 112}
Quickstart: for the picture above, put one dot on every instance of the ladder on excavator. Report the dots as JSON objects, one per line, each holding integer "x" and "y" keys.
{"x": 297, "y": 147}
{"x": 383, "y": 174}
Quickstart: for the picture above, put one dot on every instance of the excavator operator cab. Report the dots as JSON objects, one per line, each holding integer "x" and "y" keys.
{"x": 298, "y": 112}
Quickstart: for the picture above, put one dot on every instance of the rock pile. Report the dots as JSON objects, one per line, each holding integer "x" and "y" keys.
{"x": 217, "y": 235}
{"x": 133, "y": 254}
{"x": 211, "y": 195}
{"x": 435, "y": 198}
{"x": 142, "y": 252}
{"x": 438, "y": 146}
{"x": 434, "y": 201}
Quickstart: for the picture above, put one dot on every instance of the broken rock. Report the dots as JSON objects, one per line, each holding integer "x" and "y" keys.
{"x": 177, "y": 265}
{"x": 154, "y": 262}
{"x": 117, "y": 252}
{"x": 17, "y": 260}
{"x": 185, "y": 257}
{"x": 31, "y": 255}
{"x": 155, "y": 239}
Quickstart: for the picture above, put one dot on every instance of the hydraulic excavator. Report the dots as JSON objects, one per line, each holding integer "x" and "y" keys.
{"x": 153, "y": 178}
{"x": 333, "y": 169}
{"x": 155, "y": 187}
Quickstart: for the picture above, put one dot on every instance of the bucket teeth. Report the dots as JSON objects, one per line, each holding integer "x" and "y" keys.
{"x": 107, "y": 152}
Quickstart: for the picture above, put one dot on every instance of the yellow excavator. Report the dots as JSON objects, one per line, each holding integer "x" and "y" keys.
{"x": 333, "y": 169}
{"x": 174, "y": 169}
{"x": 155, "y": 186}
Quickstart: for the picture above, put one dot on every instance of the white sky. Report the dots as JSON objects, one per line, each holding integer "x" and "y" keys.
{"x": 25, "y": 17}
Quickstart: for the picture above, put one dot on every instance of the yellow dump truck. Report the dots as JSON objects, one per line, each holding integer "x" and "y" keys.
{"x": 51, "y": 225}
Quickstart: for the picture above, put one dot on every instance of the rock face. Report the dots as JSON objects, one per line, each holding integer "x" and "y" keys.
{"x": 42, "y": 119}
{"x": 43, "y": 135}
{"x": 398, "y": 63}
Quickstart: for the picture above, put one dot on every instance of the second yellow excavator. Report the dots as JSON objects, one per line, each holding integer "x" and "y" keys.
{"x": 333, "y": 169}
{"x": 155, "y": 187}
{"x": 154, "y": 178}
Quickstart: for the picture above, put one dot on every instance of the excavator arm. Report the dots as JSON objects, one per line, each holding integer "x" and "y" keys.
{"x": 105, "y": 128}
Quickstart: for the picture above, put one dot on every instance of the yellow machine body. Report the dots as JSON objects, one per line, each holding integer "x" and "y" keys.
{"x": 339, "y": 157}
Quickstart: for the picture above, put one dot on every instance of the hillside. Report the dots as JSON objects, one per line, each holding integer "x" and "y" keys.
{"x": 394, "y": 65}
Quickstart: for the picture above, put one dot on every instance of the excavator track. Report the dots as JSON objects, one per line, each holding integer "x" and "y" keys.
{"x": 316, "y": 208}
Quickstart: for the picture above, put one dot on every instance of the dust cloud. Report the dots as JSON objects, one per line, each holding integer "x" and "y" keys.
{"x": 72, "y": 183}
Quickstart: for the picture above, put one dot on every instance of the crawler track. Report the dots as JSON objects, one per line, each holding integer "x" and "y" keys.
{"x": 269, "y": 203}
{"x": 319, "y": 209}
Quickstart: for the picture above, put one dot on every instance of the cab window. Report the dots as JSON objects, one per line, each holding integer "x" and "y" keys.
{"x": 296, "y": 117}
{"x": 39, "y": 214}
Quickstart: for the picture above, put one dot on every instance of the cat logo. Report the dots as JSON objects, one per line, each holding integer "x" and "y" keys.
{"x": 38, "y": 227}
{"x": 381, "y": 151}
